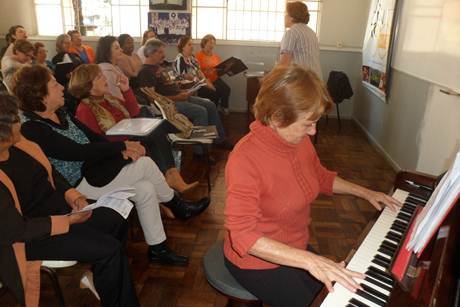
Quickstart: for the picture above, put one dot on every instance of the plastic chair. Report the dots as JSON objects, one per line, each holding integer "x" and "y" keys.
{"x": 222, "y": 280}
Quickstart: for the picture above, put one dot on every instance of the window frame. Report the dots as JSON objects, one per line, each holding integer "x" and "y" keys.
{"x": 224, "y": 41}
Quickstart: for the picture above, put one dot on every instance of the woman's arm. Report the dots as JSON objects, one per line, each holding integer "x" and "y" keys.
{"x": 377, "y": 199}
{"x": 323, "y": 269}
{"x": 130, "y": 102}
{"x": 60, "y": 147}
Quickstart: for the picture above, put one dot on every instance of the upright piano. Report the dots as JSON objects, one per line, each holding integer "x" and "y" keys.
{"x": 430, "y": 280}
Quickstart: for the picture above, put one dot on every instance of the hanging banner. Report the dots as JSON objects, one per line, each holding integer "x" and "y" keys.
{"x": 170, "y": 26}
{"x": 376, "y": 47}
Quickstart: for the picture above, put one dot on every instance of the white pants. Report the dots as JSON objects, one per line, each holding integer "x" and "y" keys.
{"x": 150, "y": 188}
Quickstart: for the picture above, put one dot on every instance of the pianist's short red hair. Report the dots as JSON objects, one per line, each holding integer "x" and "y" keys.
{"x": 287, "y": 91}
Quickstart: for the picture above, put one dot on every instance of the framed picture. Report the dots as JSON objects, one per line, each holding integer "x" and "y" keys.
{"x": 170, "y": 26}
{"x": 168, "y": 5}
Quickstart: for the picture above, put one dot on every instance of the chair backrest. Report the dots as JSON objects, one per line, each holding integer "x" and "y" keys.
{"x": 339, "y": 86}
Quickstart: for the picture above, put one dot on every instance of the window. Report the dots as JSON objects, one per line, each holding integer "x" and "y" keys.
{"x": 247, "y": 20}
{"x": 97, "y": 17}
{"x": 253, "y": 20}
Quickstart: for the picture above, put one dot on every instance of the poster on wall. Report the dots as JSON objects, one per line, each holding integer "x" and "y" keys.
{"x": 168, "y": 5}
{"x": 170, "y": 26}
{"x": 376, "y": 47}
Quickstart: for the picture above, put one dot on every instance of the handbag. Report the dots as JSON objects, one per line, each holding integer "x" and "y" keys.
{"x": 169, "y": 111}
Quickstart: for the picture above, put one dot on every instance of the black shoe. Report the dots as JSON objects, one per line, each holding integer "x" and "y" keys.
{"x": 186, "y": 209}
{"x": 225, "y": 145}
{"x": 166, "y": 256}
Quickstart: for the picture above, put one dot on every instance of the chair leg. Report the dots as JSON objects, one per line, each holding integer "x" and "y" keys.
{"x": 338, "y": 117}
{"x": 54, "y": 280}
{"x": 208, "y": 167}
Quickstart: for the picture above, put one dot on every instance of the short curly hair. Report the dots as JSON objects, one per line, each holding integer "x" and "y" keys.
{"x": 206, "y": 39}
{"x": 182, "y": 42}
{"x": 8, "y": 115}
{"x": 23, "y": 45}
{"x": 298, "y": 11}
{"x": 288, "y": 91}
{"x": 30, "y": 85}
{"x": 81, "y": 81}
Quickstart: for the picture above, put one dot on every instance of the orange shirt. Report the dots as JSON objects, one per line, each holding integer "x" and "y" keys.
{"x": 89, "y": 53}
{"x": 270, "y": 187}
{"x": 207, "y": 64}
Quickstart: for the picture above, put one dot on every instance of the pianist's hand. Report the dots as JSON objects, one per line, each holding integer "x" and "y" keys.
{"x": 327, "y": 271}
{"x": 379, "y": 199}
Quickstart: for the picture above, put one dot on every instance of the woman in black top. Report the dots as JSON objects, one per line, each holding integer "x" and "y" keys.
{"x": 95, "y": 166}
{"x": 96, "y": 238}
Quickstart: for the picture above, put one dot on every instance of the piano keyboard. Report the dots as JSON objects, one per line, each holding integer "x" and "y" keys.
{"x": 374, "y": 256}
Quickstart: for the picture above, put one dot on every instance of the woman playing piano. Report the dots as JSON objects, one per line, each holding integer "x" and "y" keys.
{"x": 273, "y": 175}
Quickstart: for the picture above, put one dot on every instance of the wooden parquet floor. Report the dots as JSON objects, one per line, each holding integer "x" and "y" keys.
{"x": 337, "y": 223}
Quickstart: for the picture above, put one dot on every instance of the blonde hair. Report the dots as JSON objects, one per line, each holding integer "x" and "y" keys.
{"x": 81, "y": 81}
{"x": 287, "y": 91}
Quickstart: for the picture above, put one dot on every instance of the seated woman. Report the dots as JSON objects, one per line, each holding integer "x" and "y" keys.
{"x": 40, "y": 55}
{"x": 95, "y": 166}
{"x": 99, "y": 111}
{"x": 23, "y": 52}
{"x": 148, "y": 34}
{"x": 272, "y": 176}
{"x": 207, "y": 60}
{"x": 188, "y": 68}
{"x": 35, "y": 223}
{"x": 63, "y": 55}
{"x": 129, "y": 63}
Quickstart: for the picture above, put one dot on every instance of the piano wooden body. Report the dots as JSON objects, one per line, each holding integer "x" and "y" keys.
{"x": 431, "y": 280}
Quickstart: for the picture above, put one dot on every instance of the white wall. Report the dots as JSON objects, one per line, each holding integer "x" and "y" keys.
{"x": 341, "y": 21}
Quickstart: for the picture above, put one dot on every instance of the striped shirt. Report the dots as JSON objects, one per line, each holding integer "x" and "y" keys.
{"x": 302, "y": 44}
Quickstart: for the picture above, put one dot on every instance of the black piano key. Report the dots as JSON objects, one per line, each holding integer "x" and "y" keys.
{"x": 379, "y": 278}
{"x": 403, "y": 216}
{"x": 370, "y": 297}
{"x": 350, "y": 305}
{"x": 407, "y": 210}
{"x": 386, "y": 251}
{"x": 389, "y": 244}
{"x": 398, "y": 228}
{"x": 380, "y": 262}
{"x": 383, "y": 259}
{"x": 393, "y": 236}
{"x": 411, "y": 203}
{"x": 377, "y": 283}
{"x": 383, "y": 273}
{"x": 416, "y": 198}
{"x": 374, "y": 292}
{"x": 358, "y": 303}
{"x": 389, "y": 249}
{"x": 401, "y": 224}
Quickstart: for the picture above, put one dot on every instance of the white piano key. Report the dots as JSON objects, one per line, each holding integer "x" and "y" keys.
{"x": 362, "y": 258}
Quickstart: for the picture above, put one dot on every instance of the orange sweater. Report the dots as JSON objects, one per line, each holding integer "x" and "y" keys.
{"x": 270, "y": 186}
{"x": 89, "y": 52}
{"x": 207, "y": 64}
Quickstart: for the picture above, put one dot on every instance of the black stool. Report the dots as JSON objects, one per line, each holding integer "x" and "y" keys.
{"x": 221, "y": 279}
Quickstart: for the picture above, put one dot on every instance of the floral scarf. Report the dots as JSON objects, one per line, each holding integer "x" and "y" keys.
{"x": 104, "y": 118}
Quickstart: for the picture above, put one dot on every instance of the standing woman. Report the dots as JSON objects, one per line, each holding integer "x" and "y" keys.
{"x": 272, "y": 176}
{"x": 299, "y": 44}
{"x": 208, "y": 60}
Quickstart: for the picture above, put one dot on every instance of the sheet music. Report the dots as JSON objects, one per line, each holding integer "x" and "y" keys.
{"x": 116, "y": 200}
{"x": 436, "y": 208}
{"x": 197, "y": 86}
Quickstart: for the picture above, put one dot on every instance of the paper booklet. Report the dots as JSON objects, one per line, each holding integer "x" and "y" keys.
{"x": 197, "y": 86}
{"x": 436, "y": 209}
{"x": 231, "y": 66}
{"x": 135, "y": 126}
{"x": 116, "y": 200}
